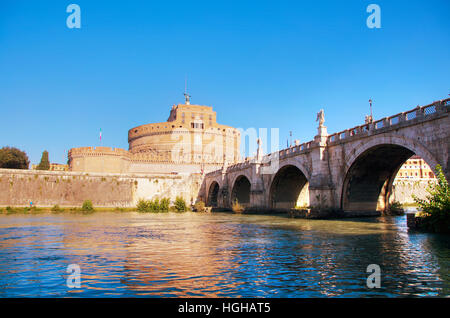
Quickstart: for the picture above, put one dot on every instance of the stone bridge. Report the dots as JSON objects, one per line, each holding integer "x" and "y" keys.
{"x": 352, "y": 170}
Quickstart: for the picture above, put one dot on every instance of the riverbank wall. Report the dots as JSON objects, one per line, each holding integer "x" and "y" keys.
{"x": 403, "y": 190}
{"x": 64, "y": 188}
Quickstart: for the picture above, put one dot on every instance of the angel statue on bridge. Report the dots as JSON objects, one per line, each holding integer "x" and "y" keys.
{"x": 320, "y": 117}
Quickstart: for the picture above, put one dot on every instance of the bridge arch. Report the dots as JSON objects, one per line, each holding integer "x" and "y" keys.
{"x": 295, "y": 161}
{"x": 241, "y": 190}
{"x": 289, "y": 188}
{"x": 213, "y": 194}
{"x": 371, "y": 169}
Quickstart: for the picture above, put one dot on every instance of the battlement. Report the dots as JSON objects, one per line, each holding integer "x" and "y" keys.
{"x": 191, "y": 135}
{"x": 98, "y": 151}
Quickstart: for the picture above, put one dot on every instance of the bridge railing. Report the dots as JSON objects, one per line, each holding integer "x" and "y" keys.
{"x": 418, "y": 112}
{"x": 295, "y": 149}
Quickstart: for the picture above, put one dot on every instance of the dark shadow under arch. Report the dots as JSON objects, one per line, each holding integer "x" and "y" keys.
{"x": 368, "y": 182}
{"x": 213, "y": 194}
{"x": 241, "y": 191}
{"x": 289, "y": 189}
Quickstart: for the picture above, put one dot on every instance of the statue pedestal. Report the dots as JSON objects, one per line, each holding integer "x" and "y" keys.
{"x": 322, "y": 131}
{"x": 322, "y": 135}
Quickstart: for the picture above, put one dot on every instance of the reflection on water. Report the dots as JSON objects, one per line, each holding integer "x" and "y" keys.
{"x": 217, "y": 255}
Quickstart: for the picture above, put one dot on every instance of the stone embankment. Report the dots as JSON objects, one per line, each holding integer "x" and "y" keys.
{"x": 48, "y": 188}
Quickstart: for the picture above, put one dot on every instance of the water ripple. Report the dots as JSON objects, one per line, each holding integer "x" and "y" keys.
{"x": 218, "y": 255}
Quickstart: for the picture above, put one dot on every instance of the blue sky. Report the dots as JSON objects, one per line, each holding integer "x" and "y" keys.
{"x": 260, "y": 64}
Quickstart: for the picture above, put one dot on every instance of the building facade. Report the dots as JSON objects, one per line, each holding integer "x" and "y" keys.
{"x": 190, "y": 141}
{"x": 415, "y": 169}
{"x": 54, "y": 167}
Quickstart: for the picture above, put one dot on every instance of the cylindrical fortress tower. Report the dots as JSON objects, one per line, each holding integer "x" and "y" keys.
{"x": 190, "y": 135}
{"x": 190, "y": 141}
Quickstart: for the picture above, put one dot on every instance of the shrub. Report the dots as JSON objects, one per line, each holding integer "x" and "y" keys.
{"x": 153, "y": 205}
{"x": 10, "y": 210}
{"x": 396, "y": 208}
{"x": 180, "y": 204}
{"x": 199, "y": 206}
{"x": 87, "y": 206}
{"x": 237, "y": 207}
{"x": 142, "y": 205}
{"x": 436, "y": 205}
{"x": 164, "y": 205}
{"x": 56, "y": 208}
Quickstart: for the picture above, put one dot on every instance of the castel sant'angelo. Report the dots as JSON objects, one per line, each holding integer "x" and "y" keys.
{"x": 190, "y": 141}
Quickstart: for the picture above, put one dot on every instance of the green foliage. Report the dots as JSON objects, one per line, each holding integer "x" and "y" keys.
{"x": 153, "y": 205}
{"x": 87, "y": 206}
{"x": 142, "y": 205}
{"x": 164, "y": 205}
{"x": 13, "y": 158}
{"x": 56, "y": 208}
{"x": 436, "y": 205}
{"x": 199, "y": 206}
{"x": 396, "y": 208}
{"x": 180, "y": 204}
{"x": 45, "y": 163}
{"x": 10, "y": 210}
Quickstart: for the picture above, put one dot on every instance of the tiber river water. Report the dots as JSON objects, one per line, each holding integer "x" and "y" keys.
{"x": 217, "y": 255}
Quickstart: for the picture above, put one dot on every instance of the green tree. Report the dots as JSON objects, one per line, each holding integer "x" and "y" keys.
{"x": 44, "y": 164}
{"x": 436, "y": 206}
{"x": 13, "y": 158}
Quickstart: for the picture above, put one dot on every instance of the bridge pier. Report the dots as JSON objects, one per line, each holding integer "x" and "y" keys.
{"x": 351, "y": 171}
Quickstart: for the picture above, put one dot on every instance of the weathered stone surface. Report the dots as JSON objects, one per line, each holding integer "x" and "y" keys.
{"x": 47, "y": 188}
{"x": 351, "y": 170}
